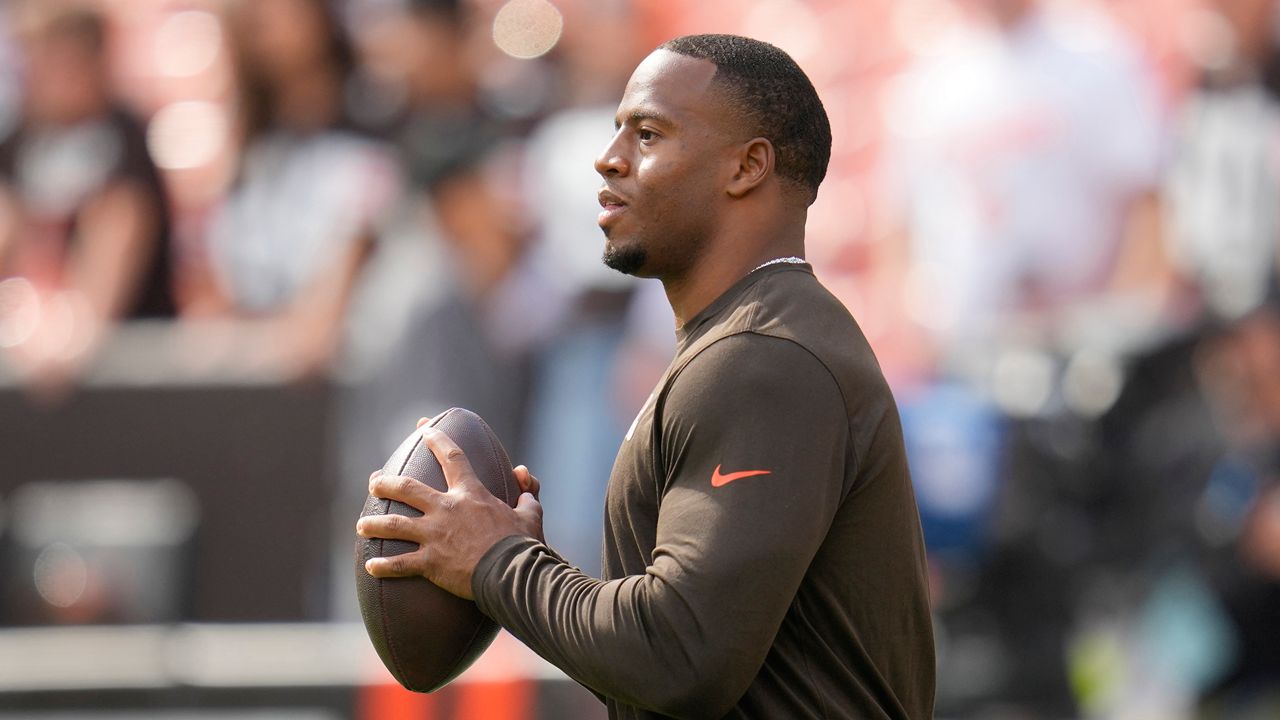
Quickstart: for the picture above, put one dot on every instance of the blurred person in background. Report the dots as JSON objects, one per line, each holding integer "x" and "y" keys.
{"x": 448, "y": 308}
{"x": 432, "y": 319}
{"x": 423, "y": 55}
{"x": 1237, "y": 515}
{"x": 1190, "y": 443}
{"x": 84, "y": 232}
{"x": 1024, "y": 173}
{"x": 1026, "y": 162}
{"x": 1224, "y": 197}
{"x": 1223, "y": 187}
{"x": 284, "y": 248}
{"x": 610, "y": 337}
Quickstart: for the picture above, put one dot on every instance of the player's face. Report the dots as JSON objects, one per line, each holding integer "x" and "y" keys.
{"x": 665, "y": 169}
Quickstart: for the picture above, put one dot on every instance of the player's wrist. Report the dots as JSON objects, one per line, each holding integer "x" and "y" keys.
{"x": 491, "y": 568}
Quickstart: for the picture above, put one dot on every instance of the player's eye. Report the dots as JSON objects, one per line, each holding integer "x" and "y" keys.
{"x": 646, "y": 135}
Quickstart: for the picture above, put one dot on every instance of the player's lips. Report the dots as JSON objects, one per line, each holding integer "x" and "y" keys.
{"x": 613, "y": 205}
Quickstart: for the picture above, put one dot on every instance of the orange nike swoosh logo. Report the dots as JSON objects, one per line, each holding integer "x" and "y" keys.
{"x": 718, "y": 479}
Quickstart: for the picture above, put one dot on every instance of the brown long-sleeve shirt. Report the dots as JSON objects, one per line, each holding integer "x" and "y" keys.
{"x": 762, "y": 552}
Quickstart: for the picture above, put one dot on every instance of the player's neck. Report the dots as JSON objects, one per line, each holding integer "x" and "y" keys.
{"x": 725, "y": 263}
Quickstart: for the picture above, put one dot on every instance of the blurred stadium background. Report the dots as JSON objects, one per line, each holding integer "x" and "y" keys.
{"x": 244, "y": 244}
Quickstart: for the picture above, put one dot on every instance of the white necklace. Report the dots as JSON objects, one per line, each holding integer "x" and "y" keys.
{"x": 792, "y": 260}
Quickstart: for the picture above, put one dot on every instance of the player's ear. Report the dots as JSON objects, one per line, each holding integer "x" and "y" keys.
{"x": 754, "y": 160}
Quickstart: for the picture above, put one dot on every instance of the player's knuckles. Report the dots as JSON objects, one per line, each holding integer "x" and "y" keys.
{"x": 454, "y": 454}
{"x": 407, "y": 487}
{"x": 381, "y": 485}
{"x": 375, "y": 526}
{"x": 390, "y": 567}
{"x": 397, "y": 487}
{"x": 401, "y": 565}
{"x": 396, "y": 525}
{"x": 446, "y": 502}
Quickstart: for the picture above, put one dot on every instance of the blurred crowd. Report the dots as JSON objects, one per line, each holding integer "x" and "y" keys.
{"x": 1056, "y": 221}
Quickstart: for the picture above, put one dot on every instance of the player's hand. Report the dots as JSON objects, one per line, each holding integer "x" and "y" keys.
{"x": 525, "y": 479}
{"x": 457, "y": 526}
{"x": 527, "y": 482}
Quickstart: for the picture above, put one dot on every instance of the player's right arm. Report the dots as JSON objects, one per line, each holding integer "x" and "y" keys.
{"x": 687, "y": 637}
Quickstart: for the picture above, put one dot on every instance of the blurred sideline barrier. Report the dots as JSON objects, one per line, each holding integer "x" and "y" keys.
{"x": 165, "y": 550}
{"x": 297, "y": 670}
{"x": 189, "y": 409}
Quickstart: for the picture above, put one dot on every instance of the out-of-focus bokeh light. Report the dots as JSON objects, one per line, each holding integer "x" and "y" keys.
{"x": 789, "y": 24}
{"x": 1092, "y": 383}
{"x": 527, "y": 28}
{"x": 919, "y": 298}
{"x": 19, "y": 311}
{"x": 925, "y": 26}
{"x": 1022, "y": 383}
{"x": 187, "y": 43}
{"x": 897, "y": 108}
{"x": 67, "y": 325}
{"x": 61, "y": 575}
{"x": 1207, "y": 39}
{"x": 187, "y": 134}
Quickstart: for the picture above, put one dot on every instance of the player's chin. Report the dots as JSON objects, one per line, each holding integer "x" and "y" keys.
{"x": 626, "y": 258}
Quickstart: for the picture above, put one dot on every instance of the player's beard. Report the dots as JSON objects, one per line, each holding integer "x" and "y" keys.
{"x": 625, "y": 259}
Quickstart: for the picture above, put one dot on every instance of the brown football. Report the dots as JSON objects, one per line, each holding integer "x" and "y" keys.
{"x": 425, "y": 635}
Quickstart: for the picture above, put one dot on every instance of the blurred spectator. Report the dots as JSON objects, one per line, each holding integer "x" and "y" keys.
{"x": 447, "y": 309}
{"x": 433, "y": 321}
{"x": 1028, "y": 158}
{"x": 1223, "y": 230}
{"x": 1223, "y": 189}
{"x": 598, "y": 362}
{"x": 286, "y": 244}
{"x": 1237, "y": 514}
{"x": 422, "y": 52}
{"x": 439, "y": 342}
{"x": 1028, "y": 154}
{"x": 84, "y": 233}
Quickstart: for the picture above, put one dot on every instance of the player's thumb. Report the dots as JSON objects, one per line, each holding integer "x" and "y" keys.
{"x": 530, "y": 512}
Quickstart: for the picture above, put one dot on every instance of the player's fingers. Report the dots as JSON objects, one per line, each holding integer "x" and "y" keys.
{"x": 375, "y": 474}
{"x": 402, "y": 488}
{"x": 424, "y": 420}
{"x": 406, "y": 565}
{"x": 528, "y": 506}
{"x": 525, "y": 479}
{"x": 390, "y": 527}
{"x": 530, "y": 512}
{"x": 457, "y": 468}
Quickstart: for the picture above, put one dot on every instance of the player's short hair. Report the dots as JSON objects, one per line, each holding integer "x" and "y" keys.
{"x": 775, "y": 99}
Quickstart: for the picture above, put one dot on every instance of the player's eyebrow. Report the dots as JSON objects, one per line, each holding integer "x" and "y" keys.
{"x": 640, "y": 115}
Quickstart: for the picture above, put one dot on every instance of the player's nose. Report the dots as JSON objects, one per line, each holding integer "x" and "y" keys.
{"x": 611, "y": 162}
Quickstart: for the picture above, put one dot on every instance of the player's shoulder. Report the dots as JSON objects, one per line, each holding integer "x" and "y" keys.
{"x": 749, "y": 372}
{"x": 786, "y": 302}
{"x": 795, "y": 306}
{"x": 786, "y": 328}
